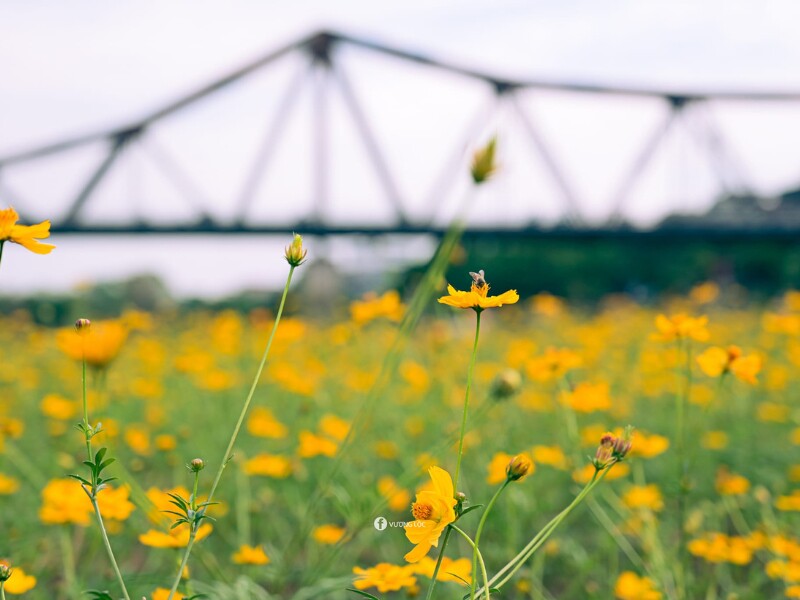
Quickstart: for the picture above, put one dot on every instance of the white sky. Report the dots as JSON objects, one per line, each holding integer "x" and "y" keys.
{"x": 84, "y": 65}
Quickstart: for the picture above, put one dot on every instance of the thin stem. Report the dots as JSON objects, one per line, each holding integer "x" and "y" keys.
{"x": 480, "y": 560}
{"x": 109, "y": 551}
{"x": 1, "y": 250}
{"x": 466, "y": 399}
{"x": 68, "y": 558}
{"x": 2, "y": 583}
{"x": 447, "y": 533}
{"x": 227, "y": 456}
{"x": 480, "y": 531}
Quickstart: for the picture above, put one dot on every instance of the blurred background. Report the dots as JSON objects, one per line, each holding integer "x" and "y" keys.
{"x": 643, "y": 147}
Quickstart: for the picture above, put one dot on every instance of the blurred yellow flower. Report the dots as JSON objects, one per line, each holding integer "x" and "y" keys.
{"x": 450, "y": 570}
{"x": 432, "y": 511}
{"x": 385, "y": 577}
{"x": 56, "y": 406}
{"x": 313, "y": 445}
{"x": 717, "y": 547}
{"x": 584, "y": 475}
{"x": 789, "y": 503}
{"x": 553, "y": 364}
{"x": 250, "y": 555}
{"x": 163, "y": 594}
{"x": 328, "y": 534}
{"x": 644, "y": 496}
{"x": 63, "y": 501}
{"x": 19, "y": 582}
{"x": 649, "y": 446}
{"x": 588, "y": 397}
{"x": 334, "y": 427}
{"x": 714, "y": 440}
{"x": 396, "y": 497}
{"x": 497, "y": 468}
{"x": 8, "y": 485}
{"x": 100, "y": 343}
{"x": 681, "y": 327}
{"x": 262, "y": 423}
{"x": 173, "y": 538}
{"x": 27, "y": 236}
{"x": 372, "y": 307}
{"x": 269, "y": 465}
{"x": 630, "y": 586}
{"x": 716, "y": 361}
{"x": 552, "y": 456}
{"x": 731, "y": 484}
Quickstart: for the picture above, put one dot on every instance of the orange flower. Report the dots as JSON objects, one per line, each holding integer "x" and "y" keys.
{"x": 251, "y": 555}
{"x": 27, "y": 236}
{"x": 99, "y": 343}
{"x": 174, "y": 538}
{"x": 716, "y": 362}
{"x": 478, "y": 297}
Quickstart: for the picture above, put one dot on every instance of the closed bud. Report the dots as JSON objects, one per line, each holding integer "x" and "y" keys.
{"x": 483, "y": 165}
{"x": 196, "y": 465}
{"x": 604, "y": 457}
{"x": 623, "y": 444}
{"x": 295, "y": 253}
{"x": 82, "y": 326}
{"x": 5, "y": 572}
{"x": 506, "y": 384}
{"x": 519, "y": 466}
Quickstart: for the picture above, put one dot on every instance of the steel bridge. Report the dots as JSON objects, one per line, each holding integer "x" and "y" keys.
{"x": 317, "y": 65}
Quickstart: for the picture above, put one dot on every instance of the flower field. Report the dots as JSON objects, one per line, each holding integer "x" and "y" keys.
{"x": 350, "y": 415}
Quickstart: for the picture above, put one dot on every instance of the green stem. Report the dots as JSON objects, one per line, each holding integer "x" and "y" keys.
{"x": 480, "y": 560}
{"x": 466, "y": 399}
{"x": 227, "y": 456}
{"x": 68, "y": 558}
{"x": 1, "y": 250}
{"x": 683, "y": 483}
{"x": 109, "y": 551}
{"x": 2, "y": 583}
{"x": 523, "y": 555}
{"x": 480, "y": 531}
{"x": 86, "y": 412}
{"x": 447, "y": 533}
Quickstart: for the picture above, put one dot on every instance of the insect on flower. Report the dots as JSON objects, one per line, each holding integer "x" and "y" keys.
{"x": 478, "y": 279}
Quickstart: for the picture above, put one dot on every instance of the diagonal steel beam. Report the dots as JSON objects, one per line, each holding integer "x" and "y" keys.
{"x": 370, "y": 141}
{"x": 118, "y": 143}
{"x": 642, "y": 160}
{"x": 269, "y": 145}
{"x": 573, "y": 212}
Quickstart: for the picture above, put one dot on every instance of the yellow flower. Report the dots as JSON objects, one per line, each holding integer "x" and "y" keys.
{"x": 552, "y": 456}
{"x": 372, "y": 307}
{"x": 250, "y": 555}
{"x": 714, "y": 440}
{"x": 497, "y": 468}
{"x": 385, "y": 577}
{"x": 716, "y": 362}
{"x": 789, "y": 503}
{"x": 630, "y": 586}
{"x": 19, "y": 582}
{"x": 262, "y": 423}
{"x": 450, "y": 570}
{"x": 717, "y": 547}
{"x": 269, "y": 465}
{"x": 396, "y": 497}
{"x": 334, "y": 427}
{"x": 64, "y": 502}
{"x": 24, "y": 235}
{"x": 648, "y": 446}
{"x": 328, "y": 534}
{"x": 313, "y": 445}
{"x": 163, "y": 594}
{"x": 554, "y": 363}
{"x": 588, "y": 397}
{"x": 681, "y": 327}
{"x": 731, "y": 484}
{"x": 8, "y": 485}
{"x": 99, "y": 343}
{"x": 58, "y": 407}
{"x": 295, "y": 254}
{"x": 585, "y": 474}
{"x": 114, "y": 503}
{"x": 174, "y": 538}
{"x": 644, "y": 496}
{"x": 478, "y": 297}
{"x": 432, "y": 511}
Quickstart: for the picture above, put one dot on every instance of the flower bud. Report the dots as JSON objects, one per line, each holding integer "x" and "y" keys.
{"x": 623, "y": 444}
{"x": 519, "y": 466}
{"x": 506, "y": 384}
{"x": 483, "y": 165}
{"x": 295, "y": 253}
{"x": 82, "y": 326}
{"x": 196, "y": 465}
{"x": 604, "y": 457}
{"x": 5, "y": 572}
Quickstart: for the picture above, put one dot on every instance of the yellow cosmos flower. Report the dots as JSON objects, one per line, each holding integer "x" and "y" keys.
{"x": 250, "y": 555}
{"x": 19, "y": 582}
{"x": 681, "y": 327}
{"x": 27, "y": 236}
{"x": 385, "y": 577}
{"x": 328, "y": 534}
{"x": 648, "y": 446}
{"x": 478, "y": 298}
{"x": 433, "y": 511}
{"x": 396, "y": 497}
{"x": 8, "y": 485}
{"x": 268, "y": 465}
{"x": 630, "y": 586}
{"x": 716, "y": 362}
{"x": 644, "y": 496}
{"x": 99, "y": 343}
{"x": 731, "y": 484}
{"x": 450, "y": 570}
{"x": 174, "y": 538}
{"x": 163, "y": 594}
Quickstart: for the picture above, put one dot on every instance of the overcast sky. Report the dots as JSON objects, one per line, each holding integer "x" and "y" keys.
{"x": 86, "y": 65}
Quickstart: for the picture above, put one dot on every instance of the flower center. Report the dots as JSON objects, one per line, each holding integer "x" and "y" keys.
{"x": 421, "y": 512}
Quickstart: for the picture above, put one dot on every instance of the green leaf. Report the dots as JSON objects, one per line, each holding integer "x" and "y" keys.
{"x": 100, "y": 454}
{"x": 365, "y": 594}
{"x": 105, "y": 463}
{"x": 81, "y": 479}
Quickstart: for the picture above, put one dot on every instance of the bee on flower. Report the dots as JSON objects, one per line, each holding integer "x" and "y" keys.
{"x": 478, "y": 298}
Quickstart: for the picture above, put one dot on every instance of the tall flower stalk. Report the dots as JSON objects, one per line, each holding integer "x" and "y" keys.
{"x": 295, "y": 255}
{"x": 96, "y": 462}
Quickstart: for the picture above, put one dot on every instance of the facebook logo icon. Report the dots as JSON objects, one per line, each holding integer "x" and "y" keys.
{"x": 380, "y": 523}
